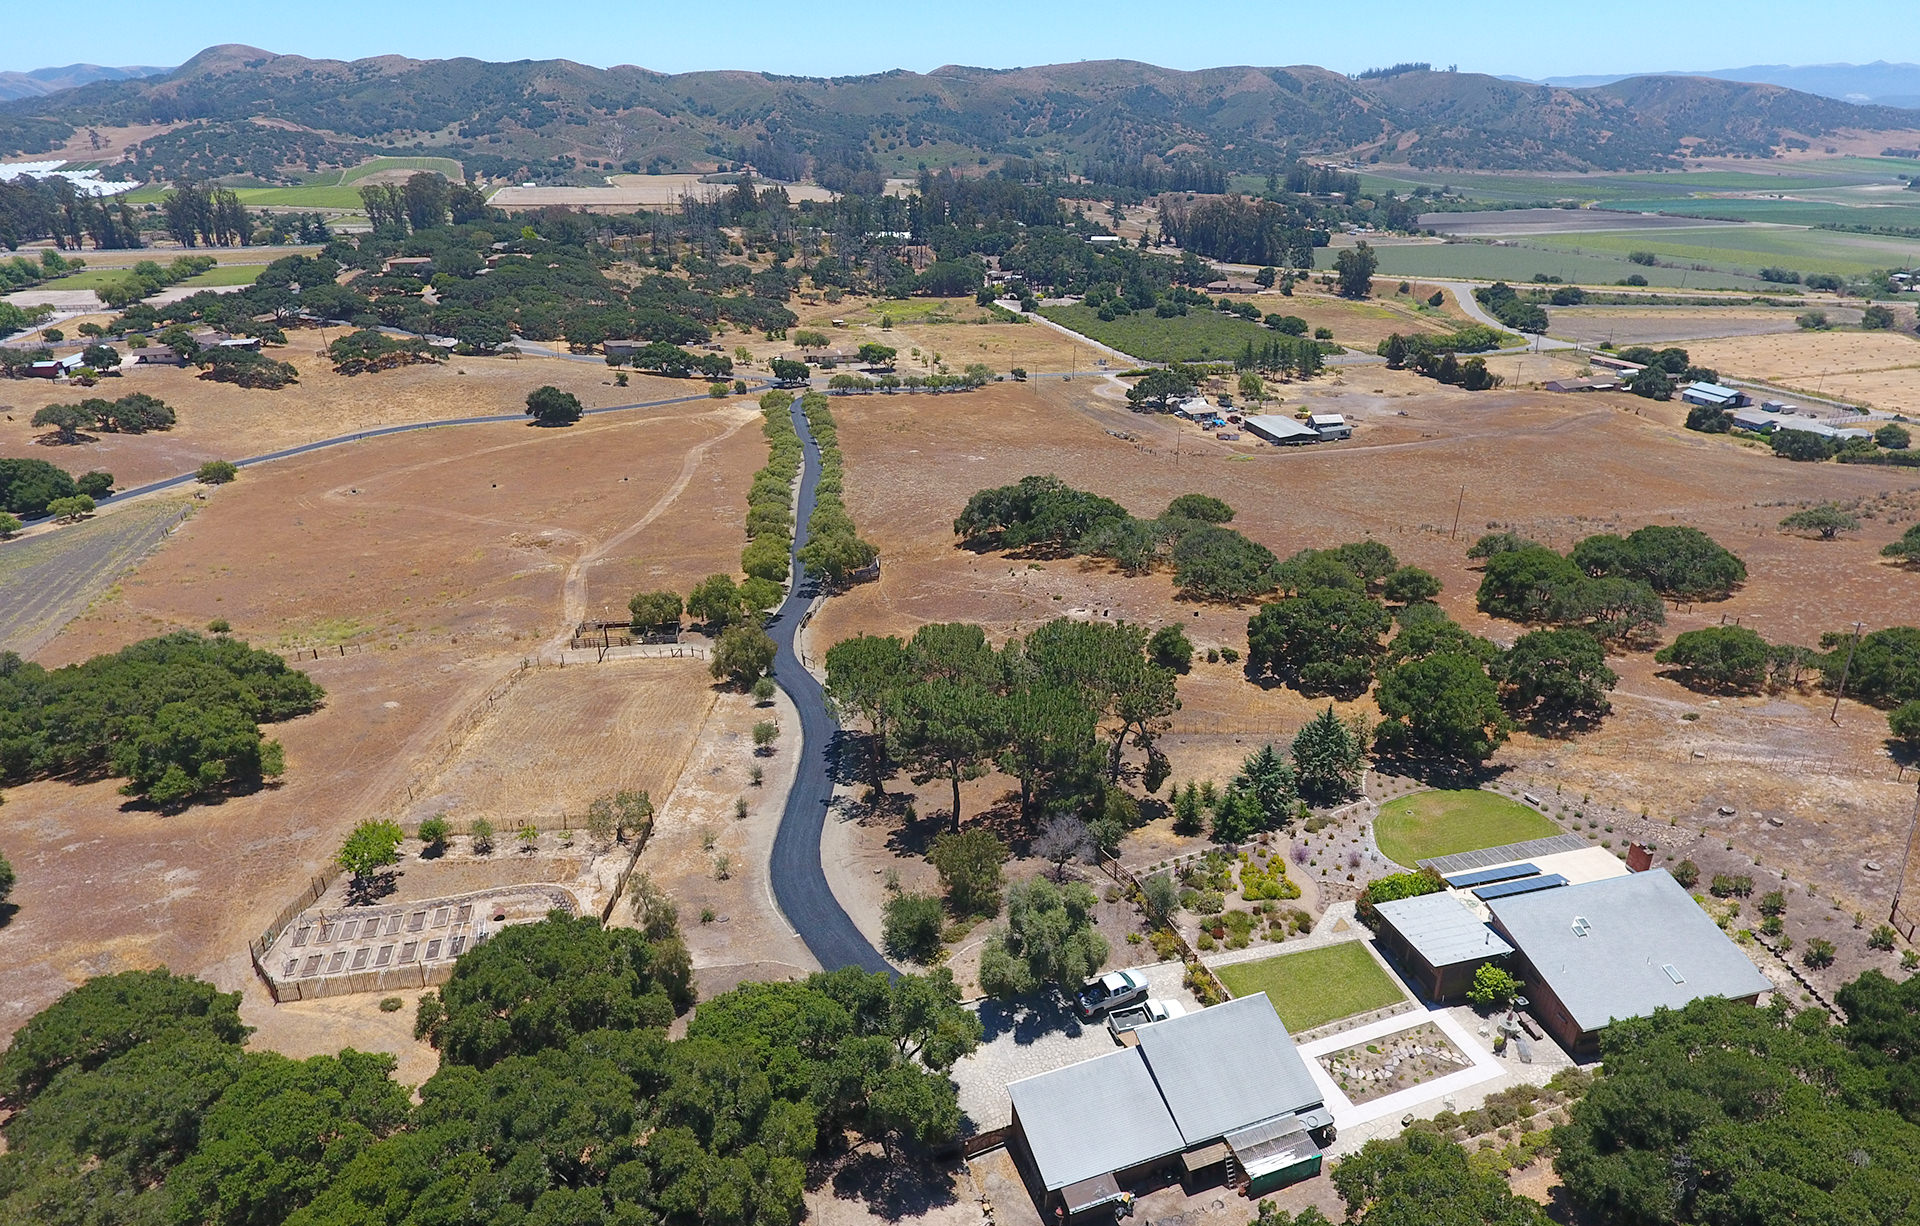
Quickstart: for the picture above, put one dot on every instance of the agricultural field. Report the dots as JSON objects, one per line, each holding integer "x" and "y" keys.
{"x": 1556, "y": 468}
{"x": 1316, "y": 986}
{"x": 49, "y": 577}
{"x": 1428, "y": 824}
{"x": 1747, "y": 249}
{"x": 1878, "y": 369}
{"x": 1519, "y": 260}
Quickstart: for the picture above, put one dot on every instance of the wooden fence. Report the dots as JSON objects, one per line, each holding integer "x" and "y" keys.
{"x": 620, "y": 882}
{"x": 258, "y": 947}
{"x": 1124, "y": 877}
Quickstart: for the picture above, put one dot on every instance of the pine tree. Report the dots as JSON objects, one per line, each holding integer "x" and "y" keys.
{"x": 1326, "y": 757}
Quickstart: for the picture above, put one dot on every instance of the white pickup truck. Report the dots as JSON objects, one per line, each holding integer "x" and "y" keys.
{"x": 1121, "y": 1023}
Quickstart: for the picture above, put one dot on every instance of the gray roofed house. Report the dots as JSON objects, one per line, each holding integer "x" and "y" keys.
{"x": 1439, "y": 942}
{"x": 1619, "y": 948}
{"x": 1194, "y": 1087}
{"x": 1098, "y": 1117}
{"x": 1223, "y": 1068}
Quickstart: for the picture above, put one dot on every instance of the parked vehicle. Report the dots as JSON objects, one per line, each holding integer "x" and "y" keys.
{"x": 1121, "y": 1023}
{"x": 1110, "y": 991}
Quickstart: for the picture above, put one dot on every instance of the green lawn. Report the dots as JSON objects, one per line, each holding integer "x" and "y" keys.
{"x": 1316, "y": 986}
{"x": 225, "y": 274}
{"x": 1427, "y": 824}
{"x": 1203, "y": 336}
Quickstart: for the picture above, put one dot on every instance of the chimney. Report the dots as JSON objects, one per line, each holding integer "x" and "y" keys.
{"x": 1639, "y": 859}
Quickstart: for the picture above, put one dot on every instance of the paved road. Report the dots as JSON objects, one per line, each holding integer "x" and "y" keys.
{"x": 799, "y": 881}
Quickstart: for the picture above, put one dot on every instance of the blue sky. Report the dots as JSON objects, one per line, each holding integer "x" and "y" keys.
{"x": 1545, "y": 38}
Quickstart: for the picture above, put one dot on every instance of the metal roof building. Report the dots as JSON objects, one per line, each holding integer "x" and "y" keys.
{"x": 1439, "y": 942}
{"x": 1194, "y": 1086}
{"x": 1284, "y": 430}
{"x": 1619, "y": 948}
{"x": 1713, "y": 394}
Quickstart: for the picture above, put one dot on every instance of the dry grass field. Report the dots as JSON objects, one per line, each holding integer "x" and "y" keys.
{"x": 1879, "y": 369}
{"x": 560, "y": 737}
{"x": 1556, "y": 468}
{"x": 441, "y": 560}
{"x": 218, "y": 421}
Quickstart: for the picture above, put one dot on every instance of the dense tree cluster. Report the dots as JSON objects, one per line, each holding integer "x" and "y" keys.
{"x": 834, "y": 549}
{"x": 367, "y": 349}
{"x": 134, "y": 413}
{"x": 1055, "y": 710}
{"x": 53, "y": 208}
{"x": 29, "y": 488}
{"x": 176, "y": 716}
{"x": 1046, "y": 517}
{"x": 1612, "y": 585}
{"x": 1720, "y": 1113}
{"x": 558, "y": 1098}
{"x": 1437, "y": 355}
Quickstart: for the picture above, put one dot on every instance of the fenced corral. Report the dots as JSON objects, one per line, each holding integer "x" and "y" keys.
{"x": 295, "y": 655}
{"x": 395, "y": 946}
{"x": 258, "y": 947}
{"x": 620, "y": 634}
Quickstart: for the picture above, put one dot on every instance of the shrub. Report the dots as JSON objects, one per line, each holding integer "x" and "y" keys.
{"x": 391, "y": 1004}
{"x": 1686, "y": 873}
{"x": 481, "y": 832}
{"x": 434, "y": 832}
{"x": 1881, "y": 938}
{"x": 1493, "y": 988}
{"x": 1818, "y": 954}
{"x": 911, "y": 927}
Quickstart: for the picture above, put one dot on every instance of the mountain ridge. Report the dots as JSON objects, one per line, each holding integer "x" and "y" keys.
{"x": 239, "y": 110}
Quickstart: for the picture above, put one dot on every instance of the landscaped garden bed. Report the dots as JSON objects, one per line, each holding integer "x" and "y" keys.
{"x": 1393, "y": 1062}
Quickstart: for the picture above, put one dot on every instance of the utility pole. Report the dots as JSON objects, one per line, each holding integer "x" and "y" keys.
{"x": 1455, "y": 534}
{"x": 1844, "y": 670}
{"x": 1906, "y": 860}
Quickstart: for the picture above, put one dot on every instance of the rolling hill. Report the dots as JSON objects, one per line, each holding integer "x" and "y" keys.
{"x": 236, "y": 110}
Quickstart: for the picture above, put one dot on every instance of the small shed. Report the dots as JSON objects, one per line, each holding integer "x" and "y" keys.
{"x": 1284, "y": 431}
{"x": 1438, "y": 942}
{"x": 1597, "y": 383}
{"x": 1606, "y": 363}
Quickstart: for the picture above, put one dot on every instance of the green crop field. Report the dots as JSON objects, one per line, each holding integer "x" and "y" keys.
{"x": 1427, "y": 824}
{"x": 1203, "y": 336}
{"x": 1746, "y": 249}
{"x": 1316, "y": 986}
{"x": 446, "y": 166}
{"x": 1522, "y": 259}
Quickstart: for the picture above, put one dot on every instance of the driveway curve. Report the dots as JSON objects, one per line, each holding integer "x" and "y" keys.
{"x": 799, "y": 879}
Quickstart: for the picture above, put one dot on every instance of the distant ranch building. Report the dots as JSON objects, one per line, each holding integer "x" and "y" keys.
{"x": 1713, "y": 395}
{"x": 1282, "y": 431}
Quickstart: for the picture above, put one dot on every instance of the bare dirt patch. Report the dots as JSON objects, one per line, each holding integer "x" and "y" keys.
{"x": 1651, "y": 326}
{"x": 1393, "y": 1062}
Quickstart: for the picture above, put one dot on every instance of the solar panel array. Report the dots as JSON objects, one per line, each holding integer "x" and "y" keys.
{"x": 1526, "y": 885}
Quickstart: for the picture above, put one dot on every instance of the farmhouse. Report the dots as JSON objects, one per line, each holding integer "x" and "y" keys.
{"x": 1275, "y": 428}
{"x": 1714, "y": 395}
{"x": 1330, "y": 426}
{"x": 1619, "y": 947}
{"x": 154, "y": 355}
{"x": 55, "y": 368}
{"x": 419, "y": 265}
{"x": 1438, "y": 942}
{"x": 1220, "y": 1087}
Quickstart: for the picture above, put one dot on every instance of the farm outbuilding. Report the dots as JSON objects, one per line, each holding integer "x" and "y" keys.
{"x": 1597, "y": 383}
{"x": 1330, "y": 426}
{"x": 1616, "y": 948}
{"x": 1282, "y": 430}
{"x": 1438, "y": 942}
{"x": 1714, "y": 395}
{"x": 1218, "y": 1088}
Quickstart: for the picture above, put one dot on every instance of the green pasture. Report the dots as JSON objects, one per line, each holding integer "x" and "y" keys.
{"x": 225, "y": 274}
{"x": 1428, "y": 824}
{"x": 1746, "y": 249}
{"x": 1203, "y": 336}
{"x": 1522, "y": 259}
{"x": 1316, "y": 986}
{"x": 447, "y": 166}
